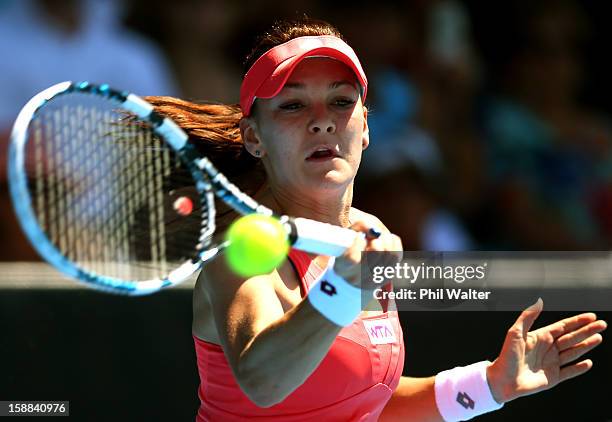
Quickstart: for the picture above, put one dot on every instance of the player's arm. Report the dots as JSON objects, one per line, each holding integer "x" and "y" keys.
{"x": 271, "y": 353}
{"x": 414, "y": 400}
{"x": 529, "y": 362}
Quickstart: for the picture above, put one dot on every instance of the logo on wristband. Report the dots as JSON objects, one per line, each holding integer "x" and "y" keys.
{"x": 466, "y": 401}
{"x": 328, "y": 288}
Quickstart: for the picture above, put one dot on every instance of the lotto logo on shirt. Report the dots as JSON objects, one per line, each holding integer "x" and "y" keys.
{"x": 380, "y": 331}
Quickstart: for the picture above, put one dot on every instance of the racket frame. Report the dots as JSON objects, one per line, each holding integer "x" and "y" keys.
{"x": 22, "y": 200}
{"x": 307, "y": 235}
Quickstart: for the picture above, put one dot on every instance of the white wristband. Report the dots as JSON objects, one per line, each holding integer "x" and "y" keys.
{"x": 464, "y": 392}
{"x": 335, "y": 298}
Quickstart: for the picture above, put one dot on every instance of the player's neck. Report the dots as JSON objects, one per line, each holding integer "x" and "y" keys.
{"x": 327, "y": 206}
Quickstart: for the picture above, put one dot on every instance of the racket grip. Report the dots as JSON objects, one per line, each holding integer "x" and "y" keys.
{"x": 320, "y": 238}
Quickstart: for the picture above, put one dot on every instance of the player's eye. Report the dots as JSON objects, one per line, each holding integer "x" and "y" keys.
{"x": 291, "y": 106}
{"x": 344, "y": 102}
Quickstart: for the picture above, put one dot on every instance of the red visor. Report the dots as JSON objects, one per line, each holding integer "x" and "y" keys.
{"x": 268, "y": 75}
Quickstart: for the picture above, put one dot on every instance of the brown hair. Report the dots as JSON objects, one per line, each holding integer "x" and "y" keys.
{"x": 214, "y": 128}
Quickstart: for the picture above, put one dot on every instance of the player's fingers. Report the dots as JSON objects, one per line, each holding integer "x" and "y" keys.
{"x": 376, "y": 245}
{"x": 383, "y": 243}
{"x": 386, "y": 244}
{"x": 347, "y": 265}
{"x": 580, "y": 349}
{"x": 360, "y": 226}
{"x": 371, "y": 235}
{"x": 390, "y": 242}
{"x": 527, "y": 318}
{"x": 377, "y": 240}
{"x": 394, "y": 247}
{"x": 572, "y": 371}
{"x": 567, "y": 325}
{"x": 354, "y": 252}
{"x": 570, "y": 339}
{"x": 397, "y": 243}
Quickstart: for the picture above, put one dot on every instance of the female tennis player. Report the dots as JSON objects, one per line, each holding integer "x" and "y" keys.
{"x": 293, "y": 345}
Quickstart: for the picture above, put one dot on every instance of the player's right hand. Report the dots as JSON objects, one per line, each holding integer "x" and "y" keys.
{"x": 348, "y": 266}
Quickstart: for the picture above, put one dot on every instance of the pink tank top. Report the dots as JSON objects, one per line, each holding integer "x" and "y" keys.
{"x": 352, "y": 383}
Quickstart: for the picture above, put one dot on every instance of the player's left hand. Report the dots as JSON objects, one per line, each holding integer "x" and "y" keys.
{"x": 532, "y": 361}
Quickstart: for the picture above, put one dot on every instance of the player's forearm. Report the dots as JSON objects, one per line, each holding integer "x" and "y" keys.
{"x": 412, "y": 400}
{"x": 283, "y": 355}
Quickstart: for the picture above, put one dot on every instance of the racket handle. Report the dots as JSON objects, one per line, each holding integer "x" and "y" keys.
{"x": 320, "y": 238}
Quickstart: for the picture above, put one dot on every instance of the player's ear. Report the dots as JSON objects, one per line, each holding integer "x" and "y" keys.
{"x": 365, "y": 139}
{"x": 250, "y": 137}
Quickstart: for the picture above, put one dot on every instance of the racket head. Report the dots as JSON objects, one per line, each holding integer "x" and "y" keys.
{"x": 94, "y": 177}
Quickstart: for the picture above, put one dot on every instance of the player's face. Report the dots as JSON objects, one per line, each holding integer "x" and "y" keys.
{"x": 313, "y": 132}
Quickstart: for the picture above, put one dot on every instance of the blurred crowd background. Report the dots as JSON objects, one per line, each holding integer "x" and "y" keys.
{"x": 489, "y": 121}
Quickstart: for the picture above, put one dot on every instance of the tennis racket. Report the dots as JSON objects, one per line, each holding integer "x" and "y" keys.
{"x": 114, "y": 195}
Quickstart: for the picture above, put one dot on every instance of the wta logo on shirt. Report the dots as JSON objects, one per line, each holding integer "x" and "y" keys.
{"x": 380, "y": 331}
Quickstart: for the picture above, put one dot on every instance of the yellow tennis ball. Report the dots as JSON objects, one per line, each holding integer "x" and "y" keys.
{"x": 258, "y": 245}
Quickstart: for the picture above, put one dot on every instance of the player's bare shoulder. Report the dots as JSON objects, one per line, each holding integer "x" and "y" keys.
{"x": 218, "y": 288}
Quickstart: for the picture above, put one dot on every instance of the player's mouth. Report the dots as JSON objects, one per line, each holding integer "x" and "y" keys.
{"x": 322, "y": 153}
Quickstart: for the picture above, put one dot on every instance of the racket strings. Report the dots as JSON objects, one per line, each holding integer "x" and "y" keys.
{"x": 103, "y": 192}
